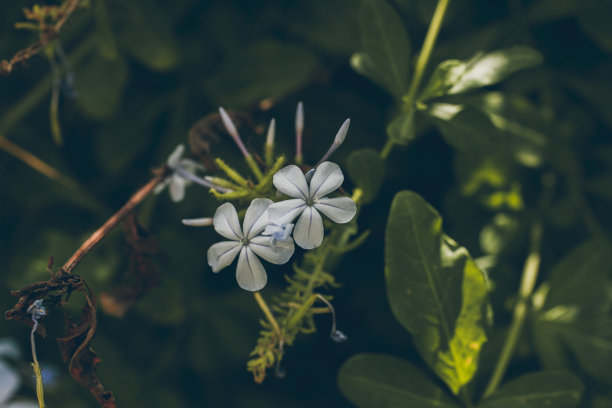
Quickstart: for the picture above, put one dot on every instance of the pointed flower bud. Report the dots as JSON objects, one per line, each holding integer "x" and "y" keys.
{"x": 231, "y": 129}
{"x": 299, "y": 128}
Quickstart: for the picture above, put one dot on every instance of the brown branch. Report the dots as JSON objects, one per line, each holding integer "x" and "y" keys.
{"x": 101, "y": 232}
{"x": 48, "y": 34}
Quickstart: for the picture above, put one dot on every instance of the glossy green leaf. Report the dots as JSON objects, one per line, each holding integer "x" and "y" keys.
{"x": 380, "y": 381}
{"x": 578, "y": 279}
{"x": 266, "y": 69}
{"x": 455, "y": 76}
{"x": 146, "y": 33}
{"x": 402, "y": 129}
{"x": 464, "y": 128}
{"x": 386, "y": 47}
{"x": 100, "y": 98}
{"x": 556, "y": 389}
{"x": 367, "y": 170}
{"x": 435, "y": 290}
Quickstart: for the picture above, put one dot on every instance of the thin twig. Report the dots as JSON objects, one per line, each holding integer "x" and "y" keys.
{"x": 35, "y": 163}
{"x": 47, "y": 35}
{"x": 101, "y": 232}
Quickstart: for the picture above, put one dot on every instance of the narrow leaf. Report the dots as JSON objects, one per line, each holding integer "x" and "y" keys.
{"x": 556, "y": 389}
{"x": 435, "y": 290}
{"x": 380, "y": 381}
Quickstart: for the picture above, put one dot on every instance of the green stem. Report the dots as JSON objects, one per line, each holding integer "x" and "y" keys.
{"x": 428, "y": 44}
{"x": 387, "y": 149}
{"x": 421, "y": 65}
{"x": 528, "y": 279}
{"x": 266, "y": 310}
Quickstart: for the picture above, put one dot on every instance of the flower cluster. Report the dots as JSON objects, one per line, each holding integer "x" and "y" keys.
{"x": 267, "y": 226}
{"x": 270, "y": 229}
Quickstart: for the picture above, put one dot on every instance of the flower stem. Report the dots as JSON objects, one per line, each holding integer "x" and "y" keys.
{"x": 528, "y": 279}
{"x": 254, "y": 167}
{"x": 264, "y": 307}
{"x": 36, "y": 367}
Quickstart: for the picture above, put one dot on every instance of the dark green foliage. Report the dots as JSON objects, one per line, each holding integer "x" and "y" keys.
{"x": 507, "y": 125}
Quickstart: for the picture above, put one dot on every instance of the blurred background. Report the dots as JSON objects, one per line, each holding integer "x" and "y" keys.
{"x": 145, "y": 71}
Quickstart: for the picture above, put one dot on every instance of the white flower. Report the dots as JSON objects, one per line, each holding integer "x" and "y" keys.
{"x": 248, "y": 242}
{"x": 182, "y": 174}
{"x": 308, "y": 201}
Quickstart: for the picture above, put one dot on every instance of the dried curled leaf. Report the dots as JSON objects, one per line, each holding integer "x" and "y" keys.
{"x": 75, "y": 346}
{"x": 142, "y": 275}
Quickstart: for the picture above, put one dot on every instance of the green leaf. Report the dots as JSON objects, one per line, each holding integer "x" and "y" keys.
{"x": 435, "y": 290}
{"x": 549, "y": 346}
{"x": 402, "y": 129}
{"x": 380, "y": 381}
{"x": 446, "y": 74}
{"x": 591, "y": 343}
{"x": 464, "y": 128}
{"x": 367, "y": 170}
{"x": 146, "y": 33}
{"x": 522, "y": 121}
{"x": 578, "y": 279}
{"x": 100, "y": 83}
{"x": 601, "y": 186}
{"x": 386, "y": 47}
{"x": 454, "y": 76}
{"x": 545, "y": 389}
{"x": 594, "y": 17}
{"x": 267, "y": 69}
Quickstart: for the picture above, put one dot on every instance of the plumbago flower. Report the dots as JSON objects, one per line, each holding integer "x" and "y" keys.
{"x": 248, "y": 242}
{"x": 183, "y": 170}
{"x": 308, "y": 201}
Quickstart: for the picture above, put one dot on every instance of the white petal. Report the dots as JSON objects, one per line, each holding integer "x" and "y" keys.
{"x": 175, "y": 156}
{"x": 250, "y": 273}
{"x": 340, "y": 210}
{"x": 198, "y": 222}
{"x": 222, "y": 254}
{"x": 177, "y": 188}
{"x": 256, "y": 217}
{"x": 9, "y": 382}
{"x": 284, "y": 212}
{"x": 290, "y": 180}
{"x": 160, "y": 187}
{"x": 226, "y": 222}
{"x": 277, "y": 253}
{"x": 308, "y": 232}
{"x": 327, "y": 178}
